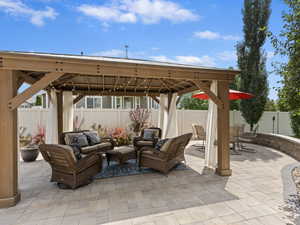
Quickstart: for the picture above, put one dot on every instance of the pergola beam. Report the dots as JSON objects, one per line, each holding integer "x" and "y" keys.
{"x": 35, "y": 88}
{"x": 78, "y": 98}
{"x": 207, "y": 91}
{"x": 113, "y": 69}
{"x": 155, "y": 99}
{"x": 26, "y": 77}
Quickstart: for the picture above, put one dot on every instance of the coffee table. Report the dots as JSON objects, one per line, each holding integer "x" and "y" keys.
{"x": 121, "y": 154}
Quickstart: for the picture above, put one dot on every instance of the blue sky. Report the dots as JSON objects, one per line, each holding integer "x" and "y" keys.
{"x": 201, "y": 32}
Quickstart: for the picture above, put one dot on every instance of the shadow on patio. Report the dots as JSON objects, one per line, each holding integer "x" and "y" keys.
{"x": 262, "y": 153}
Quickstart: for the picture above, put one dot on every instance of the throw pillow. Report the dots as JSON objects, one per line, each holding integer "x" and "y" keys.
{"x": 77, "y": 151}
{"x": 93, "y": 138}
{"x": 148, "y": 134}
{"x": 80, "y": 140}
{"x": 160, "y": 143}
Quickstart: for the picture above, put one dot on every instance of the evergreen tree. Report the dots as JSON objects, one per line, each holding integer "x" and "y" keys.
{"x": 252, "y": 59}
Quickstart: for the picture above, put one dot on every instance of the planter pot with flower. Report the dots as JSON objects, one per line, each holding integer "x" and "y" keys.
{"x": 30, "y": 152}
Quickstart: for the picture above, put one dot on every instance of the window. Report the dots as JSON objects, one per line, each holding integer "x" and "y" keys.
{"x": 154, "y": 104}
{"x": 97, "y": 102}
{"x": 89, "y": 102}
{"x": 118, "y": 102}
{"x": 143, "y": 102}
{"x": 128, "y": 102}
{"x": 107, "y": 102}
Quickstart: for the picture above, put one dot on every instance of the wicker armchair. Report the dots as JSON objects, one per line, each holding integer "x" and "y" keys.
{"x": 66, "y": 169}
{"x": 141, "y": 141}
{"x": 163, "y": 160}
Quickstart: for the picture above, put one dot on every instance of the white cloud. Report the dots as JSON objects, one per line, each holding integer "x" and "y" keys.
{"x": 210, "y": 35}
{"x": 191, "y": 60}
{"x": 18, "y": 8}
{"x": 131, "y": 11}
{"x": 107, "y": 14}
{"x": 227, "y": 56}
{"x": 194, "y": 60}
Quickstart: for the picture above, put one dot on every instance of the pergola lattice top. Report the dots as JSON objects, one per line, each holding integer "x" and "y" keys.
{"x": 96, "y": 75}
{"x": 87, "y": 75}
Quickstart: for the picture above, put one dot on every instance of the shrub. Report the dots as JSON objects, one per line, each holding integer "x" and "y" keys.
{"x": 295, "y": 122}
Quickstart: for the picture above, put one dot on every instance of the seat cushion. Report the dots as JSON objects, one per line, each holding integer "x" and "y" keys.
{"x": 152, "y": 155}
{"x": 97, "y": 147}
{"x": 144, "y": 143}
{"x": 76, "y": 139}
{"x": 92, "y": 137}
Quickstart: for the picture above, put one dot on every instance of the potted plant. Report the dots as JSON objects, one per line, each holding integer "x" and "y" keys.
{"x": 138, "y": 119}
{"x": 120, "y": 136}
{"x": 30, "y": 152}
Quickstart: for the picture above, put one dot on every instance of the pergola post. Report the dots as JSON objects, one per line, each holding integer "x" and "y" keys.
{"x": 60, "y": 112}
{"x": 223, "y": 130}
{"x": 9, "y": 194}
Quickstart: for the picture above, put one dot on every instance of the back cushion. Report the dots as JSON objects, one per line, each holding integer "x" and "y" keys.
{"x": 149, "y": 134}
{"x": 166, "y": 145}
{"x": 92, "y": 137}
{"x": 76, "y": 139}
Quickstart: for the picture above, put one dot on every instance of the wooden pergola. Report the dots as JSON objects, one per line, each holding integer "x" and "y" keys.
{"x": 92, "y": 75}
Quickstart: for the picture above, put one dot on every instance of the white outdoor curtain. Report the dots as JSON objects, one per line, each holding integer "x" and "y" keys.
{"x": 68, "y": 111}
{"x": 172, "y": 127}
{"x": 211, "y": 132}
{"x": 51, "y": 128}
{"x": 163, "y": 113}
{"x": 167, "y": 120}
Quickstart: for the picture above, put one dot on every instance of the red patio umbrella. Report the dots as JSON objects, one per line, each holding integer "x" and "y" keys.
{"x": 233, "y": 95}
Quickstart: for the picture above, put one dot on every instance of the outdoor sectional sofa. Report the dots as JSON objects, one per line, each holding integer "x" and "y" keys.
{"x": 106, "y": 143}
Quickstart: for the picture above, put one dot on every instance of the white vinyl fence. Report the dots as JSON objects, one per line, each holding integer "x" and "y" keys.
{"x": 112, "y": 118}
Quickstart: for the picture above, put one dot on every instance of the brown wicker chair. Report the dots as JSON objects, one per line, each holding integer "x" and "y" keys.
{"x": 66, "y": 169}
{"x": 140, "y": 142}
{"x": 163, "y": 160}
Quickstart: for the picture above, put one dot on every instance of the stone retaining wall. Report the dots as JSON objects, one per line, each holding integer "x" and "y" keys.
{"x": 286, "y": 144}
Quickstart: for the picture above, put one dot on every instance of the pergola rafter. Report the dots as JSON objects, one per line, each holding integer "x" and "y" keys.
{"x": 88, "y": 75}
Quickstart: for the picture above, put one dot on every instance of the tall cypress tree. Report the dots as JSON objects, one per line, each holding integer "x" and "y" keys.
{"x": 252, "y": 59}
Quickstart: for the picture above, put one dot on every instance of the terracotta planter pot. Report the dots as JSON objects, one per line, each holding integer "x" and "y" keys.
{"x": 29, "y": 154}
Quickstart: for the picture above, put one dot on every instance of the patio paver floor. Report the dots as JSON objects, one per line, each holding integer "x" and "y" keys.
{"x": 252, "y": 195}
